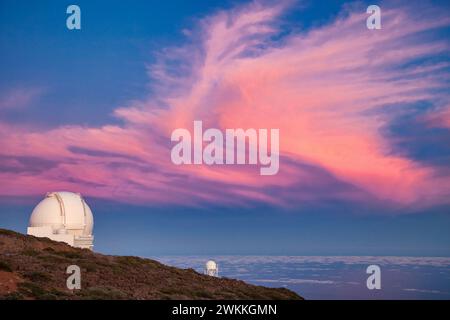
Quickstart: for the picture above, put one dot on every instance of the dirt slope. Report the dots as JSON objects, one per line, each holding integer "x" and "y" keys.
{"x": 34, "y": 268}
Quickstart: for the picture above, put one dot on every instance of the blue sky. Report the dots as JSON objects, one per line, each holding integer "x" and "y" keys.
{"x": 329, "y": 229}
{"x": 102, "y": 66}
{"x": 80, "y": 78}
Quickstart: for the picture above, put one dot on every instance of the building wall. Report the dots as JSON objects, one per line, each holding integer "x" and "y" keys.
{"x": 48, "y": 232}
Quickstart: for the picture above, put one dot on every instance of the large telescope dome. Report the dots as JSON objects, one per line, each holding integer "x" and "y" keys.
{"x": 63, "y": 216}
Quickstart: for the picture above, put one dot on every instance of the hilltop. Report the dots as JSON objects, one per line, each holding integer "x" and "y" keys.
{"x": 35, "y": 268}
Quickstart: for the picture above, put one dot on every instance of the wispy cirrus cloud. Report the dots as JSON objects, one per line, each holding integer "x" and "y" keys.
{"x": 326, "y": 88}
{"x": 19, "y": 97}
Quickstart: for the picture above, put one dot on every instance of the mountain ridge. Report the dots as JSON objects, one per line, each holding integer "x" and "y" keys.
{"x": 35, "y": 268}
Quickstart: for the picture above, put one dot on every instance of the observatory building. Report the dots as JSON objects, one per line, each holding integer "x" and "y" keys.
{"x": 63, "y": 216}
{"x": 211, "y": 269}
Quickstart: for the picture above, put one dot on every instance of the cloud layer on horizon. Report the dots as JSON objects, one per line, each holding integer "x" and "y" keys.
{"x": 332, "y": 91}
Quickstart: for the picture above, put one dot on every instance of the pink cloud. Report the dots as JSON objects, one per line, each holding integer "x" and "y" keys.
{"x": 439, "y": 119}
{"x": 324, "y": 88}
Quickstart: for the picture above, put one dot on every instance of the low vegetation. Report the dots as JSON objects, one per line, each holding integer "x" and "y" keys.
{"x": 35, "y": 268}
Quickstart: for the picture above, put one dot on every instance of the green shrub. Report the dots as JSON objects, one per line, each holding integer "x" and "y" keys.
{"x": 47, "y": 296}
{"x": 30, "y": 289}
{"x": 8, "y": 232}
{"x": 89, "y": 266}
{"x": 70, "y": 254}
{"x": 13, "y": 296}
{"x": 53, "y": 259}
{"x": 202, "y": 294}
{"x": 5, "y": 266}
{"x": 130, "y": 261}
{"x": 37, "y": 276}
{"x": 30, "y": 252}
{"x": 101, "y": 293}
{"x": 57, "y": 293}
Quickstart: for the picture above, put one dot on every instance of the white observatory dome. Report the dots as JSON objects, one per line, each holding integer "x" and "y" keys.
{"x": 211, "y": 265}
{"x": 63, "y": 216}
{"x": 211, "y": 269}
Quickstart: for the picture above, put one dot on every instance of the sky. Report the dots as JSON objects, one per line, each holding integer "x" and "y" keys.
{"x": 364, "y": 120}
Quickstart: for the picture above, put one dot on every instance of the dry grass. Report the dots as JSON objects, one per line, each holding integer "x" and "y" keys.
{"x": 42, "y": 263}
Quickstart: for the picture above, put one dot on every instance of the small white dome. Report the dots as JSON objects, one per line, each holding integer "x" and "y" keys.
{"x": 63, "y": 210}
{"x": 211, "y": 265}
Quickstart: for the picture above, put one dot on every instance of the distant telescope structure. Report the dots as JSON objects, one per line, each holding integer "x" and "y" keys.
{"x": 211, "y": 268}
{"x": 63, "y": 216}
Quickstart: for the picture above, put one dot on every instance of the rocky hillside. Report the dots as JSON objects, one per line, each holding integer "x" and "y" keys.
{"x": 35, "y": 268}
